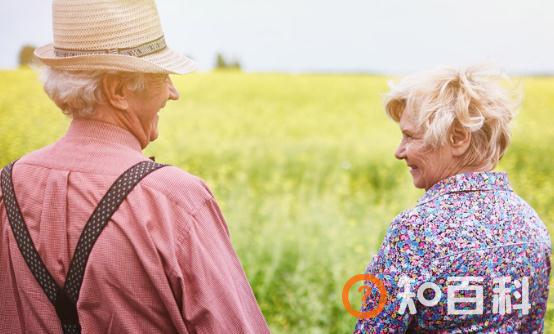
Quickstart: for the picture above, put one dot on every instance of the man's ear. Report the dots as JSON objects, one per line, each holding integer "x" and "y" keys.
{"x": 114, "y": 91}
{"x": 459, "y": 140}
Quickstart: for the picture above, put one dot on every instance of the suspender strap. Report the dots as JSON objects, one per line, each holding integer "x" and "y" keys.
{"x": 65, "y": 299}
{"x": 23, "y": 238}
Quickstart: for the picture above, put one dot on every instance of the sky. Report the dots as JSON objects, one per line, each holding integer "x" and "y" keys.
{"x": 369, "y": 36}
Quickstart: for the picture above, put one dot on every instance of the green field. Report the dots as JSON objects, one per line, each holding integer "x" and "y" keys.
{"x": 303, "y": 168}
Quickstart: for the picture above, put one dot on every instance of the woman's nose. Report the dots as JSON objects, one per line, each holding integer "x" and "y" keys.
{"x": 400, "y": 152}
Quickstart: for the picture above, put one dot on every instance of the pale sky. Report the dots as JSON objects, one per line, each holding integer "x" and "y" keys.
{"x": 384, "y": 36}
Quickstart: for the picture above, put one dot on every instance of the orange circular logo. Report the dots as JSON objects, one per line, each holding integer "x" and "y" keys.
{"x": 367, "y": 289}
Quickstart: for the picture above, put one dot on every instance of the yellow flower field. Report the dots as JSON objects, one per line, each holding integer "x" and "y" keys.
{"x": 303, "y": 168}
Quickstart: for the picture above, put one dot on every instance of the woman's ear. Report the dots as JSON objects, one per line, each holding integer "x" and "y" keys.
{"x": 114, "y": 91}
{"x": 459, "y": 140}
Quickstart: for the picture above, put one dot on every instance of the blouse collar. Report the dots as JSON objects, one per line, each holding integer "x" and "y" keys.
{"x": 473, "y": 181}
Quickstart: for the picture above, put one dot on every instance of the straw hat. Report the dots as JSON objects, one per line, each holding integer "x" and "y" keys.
{"x": 121, "y": 35}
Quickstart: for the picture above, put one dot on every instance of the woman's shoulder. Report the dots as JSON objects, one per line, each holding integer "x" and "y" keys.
{"x": 408, "y": 230}
{"x": 408, "y": 220}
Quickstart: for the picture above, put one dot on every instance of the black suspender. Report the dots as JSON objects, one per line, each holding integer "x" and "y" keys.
{"x": 65, "y": 299}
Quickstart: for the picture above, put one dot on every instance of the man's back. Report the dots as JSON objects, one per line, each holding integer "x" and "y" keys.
{"x": 164, "y": 263}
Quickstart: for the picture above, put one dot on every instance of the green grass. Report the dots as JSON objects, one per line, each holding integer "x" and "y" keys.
{"x": 303, "y": 168}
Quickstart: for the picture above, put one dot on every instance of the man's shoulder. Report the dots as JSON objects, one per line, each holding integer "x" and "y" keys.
{"x": 36, "y": 155}
{"x": 179, "y": 187}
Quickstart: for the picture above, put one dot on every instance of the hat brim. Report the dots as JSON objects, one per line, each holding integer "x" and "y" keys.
{"x": 166, "y": 61}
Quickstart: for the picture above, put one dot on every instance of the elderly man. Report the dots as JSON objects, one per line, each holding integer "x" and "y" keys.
{"x": 95, "y": 237}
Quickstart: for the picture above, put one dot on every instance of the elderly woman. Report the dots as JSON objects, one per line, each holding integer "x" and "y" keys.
{"x": 471, "y": 256}
{"x": 94, "y": 236}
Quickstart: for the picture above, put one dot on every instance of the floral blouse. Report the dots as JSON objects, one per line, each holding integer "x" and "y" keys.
{"x": 471, "y": 257}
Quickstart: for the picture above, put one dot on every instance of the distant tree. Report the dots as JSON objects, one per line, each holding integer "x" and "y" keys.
{"x": 222, "y": 64}
{"x": 220, "y": 61}
{"x": 26, "y": 55}
{"x": 235, "y": 64}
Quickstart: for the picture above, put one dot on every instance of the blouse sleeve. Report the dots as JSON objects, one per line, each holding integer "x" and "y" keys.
{"x": 400, "y": 261}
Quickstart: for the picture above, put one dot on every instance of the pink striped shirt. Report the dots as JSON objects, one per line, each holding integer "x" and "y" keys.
{"x": 163, "y": 264}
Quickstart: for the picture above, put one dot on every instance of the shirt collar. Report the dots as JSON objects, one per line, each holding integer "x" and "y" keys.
{"x": 467, "y": 182}
{"x": 86, "y": 130}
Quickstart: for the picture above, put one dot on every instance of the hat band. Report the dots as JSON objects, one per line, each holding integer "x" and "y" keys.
{"x": 138, "y": 51}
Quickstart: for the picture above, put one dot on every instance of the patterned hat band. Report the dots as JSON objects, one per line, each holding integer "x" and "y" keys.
{"x": 138, "y": 51}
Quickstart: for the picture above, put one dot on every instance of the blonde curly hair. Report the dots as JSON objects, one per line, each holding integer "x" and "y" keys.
{"x": 471, "y": 99}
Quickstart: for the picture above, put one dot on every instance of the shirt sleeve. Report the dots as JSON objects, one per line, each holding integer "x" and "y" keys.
{"x": 401, "y": 258}
{"x": 214, "y": 291}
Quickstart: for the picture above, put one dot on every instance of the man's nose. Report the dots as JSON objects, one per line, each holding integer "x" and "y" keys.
{"x": 173, "y": 93}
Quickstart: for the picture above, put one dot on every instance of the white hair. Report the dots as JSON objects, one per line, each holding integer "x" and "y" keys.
{"x": 470, "y": 99}
{"x": 78, "y": 92}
